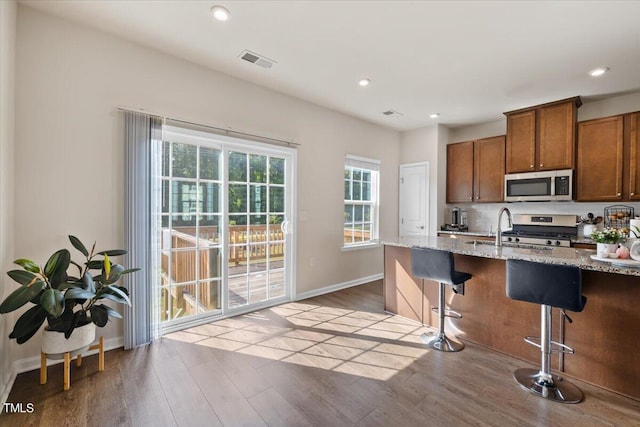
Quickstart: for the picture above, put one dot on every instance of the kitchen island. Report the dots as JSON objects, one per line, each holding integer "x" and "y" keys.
{"x": 604, "y": 335}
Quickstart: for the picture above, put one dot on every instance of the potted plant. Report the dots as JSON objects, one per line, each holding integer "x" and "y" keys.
{"x": 607, "y": 241}
{"x": 68, "y": 303}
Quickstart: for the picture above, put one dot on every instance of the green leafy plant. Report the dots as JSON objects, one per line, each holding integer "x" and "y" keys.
{"x": 607, "y": 235}
{"x": 66, "y": 301}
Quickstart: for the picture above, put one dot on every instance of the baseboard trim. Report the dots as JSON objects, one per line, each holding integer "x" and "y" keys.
{"x": 337, "y": 287}
{"x": 6, "y": 389}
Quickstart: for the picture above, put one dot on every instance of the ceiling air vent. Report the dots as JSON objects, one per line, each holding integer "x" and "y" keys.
{"x": 257, "y": 59}
{"x": 392, "y": 113}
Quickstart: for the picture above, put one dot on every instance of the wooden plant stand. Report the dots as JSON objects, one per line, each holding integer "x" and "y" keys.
{"x": 67, "y": 363}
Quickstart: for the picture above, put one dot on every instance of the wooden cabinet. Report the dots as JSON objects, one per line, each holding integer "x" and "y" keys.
{"x": 542, "y": 137}
{"x": 633, "y": 121}
{"x": 460, "y": 172}
{"x": 600, "y": 158}
{"x": 475, "y": 171}
{"x": 488, "y": 169}
{"x": 521, "y": 142}
{"x": 608, "y": 155}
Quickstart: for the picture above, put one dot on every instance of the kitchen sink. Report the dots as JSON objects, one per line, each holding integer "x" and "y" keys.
{"x": 509, "y": 245}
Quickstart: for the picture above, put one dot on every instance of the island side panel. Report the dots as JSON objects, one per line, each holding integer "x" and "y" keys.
{"x": 402, "y": 291}
{"x": 492, "y": 319}
{"x": 606, "y": 334}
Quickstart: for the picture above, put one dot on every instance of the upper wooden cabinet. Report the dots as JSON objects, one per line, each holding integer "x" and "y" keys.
{"x": 460, "y": 172}
{"x": 600, "y": 155}
{"x": 542, "y": 137}
{"x": 633, "y": 121}
{"x": 608, "y": 154}
{"x": 475, "y": 171}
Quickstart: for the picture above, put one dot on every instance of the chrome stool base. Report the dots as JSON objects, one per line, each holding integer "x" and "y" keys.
{"x": 441, "y": 342}
{"x": 552, "y": 388}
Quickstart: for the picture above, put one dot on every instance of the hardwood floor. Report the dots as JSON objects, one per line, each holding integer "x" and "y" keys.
{"x": 333, "y": 360}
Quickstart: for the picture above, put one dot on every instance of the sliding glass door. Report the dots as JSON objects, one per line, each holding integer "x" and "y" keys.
{"x": 225, "y": 241}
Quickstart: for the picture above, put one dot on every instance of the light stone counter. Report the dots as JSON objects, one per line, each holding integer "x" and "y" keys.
{"x": 566, "y": 256}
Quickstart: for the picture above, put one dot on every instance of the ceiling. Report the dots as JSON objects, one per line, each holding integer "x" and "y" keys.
{"x": 470, "y": 61}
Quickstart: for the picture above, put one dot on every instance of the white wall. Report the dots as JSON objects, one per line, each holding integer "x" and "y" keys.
{"x": 482, "y": 130}
{"x": 69, "y": 153}
{"x": 425, "y": 145}
{"x": 7, "y": 137}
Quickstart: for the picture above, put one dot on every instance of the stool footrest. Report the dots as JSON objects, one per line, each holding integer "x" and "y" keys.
{"x": 560, "y": 348}
{"x": 448, "y": 313}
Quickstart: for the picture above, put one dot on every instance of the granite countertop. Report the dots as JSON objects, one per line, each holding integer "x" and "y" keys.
{"x": 469, "y": 233}
{"x": 566, "y": 256}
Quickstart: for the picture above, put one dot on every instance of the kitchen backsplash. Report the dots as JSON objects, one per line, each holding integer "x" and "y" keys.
{"x": 483, "y": 216}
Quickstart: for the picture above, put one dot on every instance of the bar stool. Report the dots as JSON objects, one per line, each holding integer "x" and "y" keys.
{"x": 550, "y": 286}
{"x": 439, "y": 265}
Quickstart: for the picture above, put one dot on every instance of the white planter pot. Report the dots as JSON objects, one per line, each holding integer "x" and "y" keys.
{"x": 588, "y": 229}
{"x": 606, "y": 250}
{"x": 54, "y": 344}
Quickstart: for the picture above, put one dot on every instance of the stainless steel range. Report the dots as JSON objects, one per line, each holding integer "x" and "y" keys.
{"x": 546, "y": 230}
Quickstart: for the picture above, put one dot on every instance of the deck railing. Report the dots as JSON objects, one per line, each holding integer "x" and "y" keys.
{"x": 250, "y": 243}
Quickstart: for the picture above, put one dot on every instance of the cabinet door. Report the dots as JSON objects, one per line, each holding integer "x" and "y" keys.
{"x": 556, "y": 136}
{"x": 460, "y": 172}
{"x": 488, "y": 166}
{"x": 521, "y": 141}
{"x": 600, "y": 156}
{"x": 634, "y": 157}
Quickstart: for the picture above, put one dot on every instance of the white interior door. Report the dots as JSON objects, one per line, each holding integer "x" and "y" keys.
{"x": 414, "y": 199}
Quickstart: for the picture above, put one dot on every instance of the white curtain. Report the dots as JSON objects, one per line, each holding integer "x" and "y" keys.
{"x": 143, "y": 139}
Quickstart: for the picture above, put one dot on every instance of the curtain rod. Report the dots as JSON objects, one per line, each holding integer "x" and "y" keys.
{"x": 219, "y": 129}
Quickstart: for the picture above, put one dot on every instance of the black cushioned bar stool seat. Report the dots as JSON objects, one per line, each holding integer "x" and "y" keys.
{"x": 550, "y": 286}
{"x": 434, "y": 264}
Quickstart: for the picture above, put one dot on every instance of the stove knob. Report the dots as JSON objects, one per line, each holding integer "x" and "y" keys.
{"x": 517, "y": 239}
{"x": 509, "y": 239}
{"x": 557, "y": 242}
{"x": 548, "y": 242}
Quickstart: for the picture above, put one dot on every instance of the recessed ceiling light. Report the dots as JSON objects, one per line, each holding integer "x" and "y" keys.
{"x": 221, "y": 13}
{"x": 364, "y": 82}
{"x": 434, "y": 115}
{"x": 598, "y": 71}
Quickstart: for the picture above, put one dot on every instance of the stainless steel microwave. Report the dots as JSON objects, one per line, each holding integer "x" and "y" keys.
{"x": 539, "y": 186}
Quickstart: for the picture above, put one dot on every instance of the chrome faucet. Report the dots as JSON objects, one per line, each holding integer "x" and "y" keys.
{"x": 499, "y": 230}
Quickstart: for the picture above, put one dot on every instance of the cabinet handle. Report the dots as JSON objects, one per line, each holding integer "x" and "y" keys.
{"x": 619, "y": 194}
{"x": 470, "y": 198}
{"x": 531, "y": 166}
{"x": 477, "y": 197}
{"x": 633, "y": 194}
{"x": 541, "y": 165}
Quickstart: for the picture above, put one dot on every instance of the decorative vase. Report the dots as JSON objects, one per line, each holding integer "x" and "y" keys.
{"x": 55, "y": 345}
{"x": 588, "y": 229}
{"x": 634, "y": 250}
{"x": 606, "y": 250}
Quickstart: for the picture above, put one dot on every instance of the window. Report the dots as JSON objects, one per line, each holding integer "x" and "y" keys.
{"x": 361, "y": 177}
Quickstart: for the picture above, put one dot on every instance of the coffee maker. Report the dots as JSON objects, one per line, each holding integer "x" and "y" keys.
{"x": 455, "y": 217}
{"x": 457, "y": 222}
